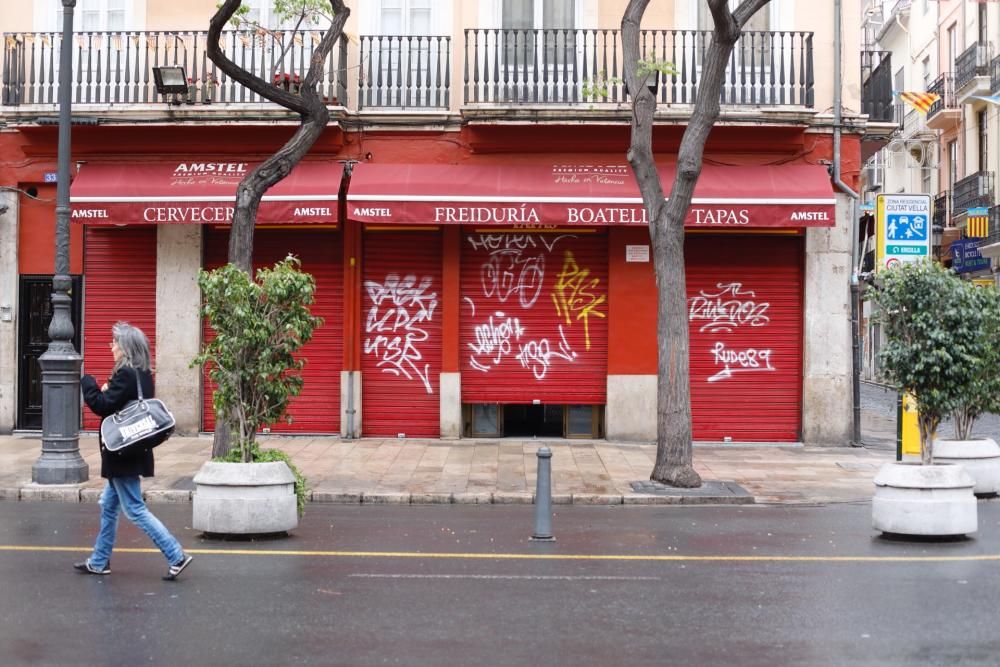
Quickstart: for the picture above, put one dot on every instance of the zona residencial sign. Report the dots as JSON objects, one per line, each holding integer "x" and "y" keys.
{"x": 902, "y": 229}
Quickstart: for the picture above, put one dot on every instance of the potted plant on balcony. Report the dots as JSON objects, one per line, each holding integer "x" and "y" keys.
{"x": 979, "y": 456}
{"x": 208, "y": 85}
{"x": 260, "y": 324}
{"x": 932, "y": 327}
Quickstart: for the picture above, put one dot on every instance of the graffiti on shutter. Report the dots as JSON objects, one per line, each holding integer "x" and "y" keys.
{"x": 724, "y": 309}
{"x": 394, "y": 328}
{"x": 534, "y": 305}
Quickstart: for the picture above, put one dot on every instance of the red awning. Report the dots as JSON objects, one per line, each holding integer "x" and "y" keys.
{"x": 198, "y": 192}
{"x": 568, "y": 194}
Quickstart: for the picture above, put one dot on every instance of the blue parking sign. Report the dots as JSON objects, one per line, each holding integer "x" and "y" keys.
{"x": 906, "y": 227}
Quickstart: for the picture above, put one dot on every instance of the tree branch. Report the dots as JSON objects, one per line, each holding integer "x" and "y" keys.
{"x": 307, "y": 103}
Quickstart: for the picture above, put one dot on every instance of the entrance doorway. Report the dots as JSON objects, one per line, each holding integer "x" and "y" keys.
{"x": 34, "y": 316}
{"x": 519, "y": 420}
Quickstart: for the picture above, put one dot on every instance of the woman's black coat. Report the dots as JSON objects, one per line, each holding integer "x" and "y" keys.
{"x": 121, "y": 389}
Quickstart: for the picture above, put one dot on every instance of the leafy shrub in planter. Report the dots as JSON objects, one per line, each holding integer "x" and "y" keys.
{"x": 933, "y": 324}
{"x": 260, "y": 325}
{"x": 984, "y": 389}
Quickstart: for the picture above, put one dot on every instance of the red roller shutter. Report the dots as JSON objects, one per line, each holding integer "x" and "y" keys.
{"x": 533, "y": 323}
{"x": 401, "y": 344}
{"x": 745, "y": 310}
{"x": 317, "y": 408}
{"x": 119, "y": 273}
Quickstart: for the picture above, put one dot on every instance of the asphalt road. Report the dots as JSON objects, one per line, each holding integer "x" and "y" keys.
{"x": 460, "y": 585}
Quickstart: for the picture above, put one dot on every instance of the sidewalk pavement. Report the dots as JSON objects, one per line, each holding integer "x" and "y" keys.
{"x": 587, "y": 472}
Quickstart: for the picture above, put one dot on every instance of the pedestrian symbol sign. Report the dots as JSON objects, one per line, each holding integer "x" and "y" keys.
{"x": 903, "y": 229}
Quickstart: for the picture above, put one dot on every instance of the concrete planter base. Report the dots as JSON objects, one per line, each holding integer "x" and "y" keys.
{"x": 935, "y": 500}
{"x": 980, "y": 458}
{"x": 244, "y": 498}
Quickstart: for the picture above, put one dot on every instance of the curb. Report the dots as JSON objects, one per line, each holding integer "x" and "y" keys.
{"x": 76, "y": 494}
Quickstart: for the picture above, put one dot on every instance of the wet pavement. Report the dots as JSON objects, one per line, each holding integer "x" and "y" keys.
{"x": 442, "y": 585}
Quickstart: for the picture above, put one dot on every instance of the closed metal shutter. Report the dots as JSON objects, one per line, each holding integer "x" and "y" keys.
{"x": 745, "y": 316}
{"x": 401, "y": 336}
{"x": 317, "y": 408}
{"x": 533, "y": 323}
{"x": 119, "y": 274}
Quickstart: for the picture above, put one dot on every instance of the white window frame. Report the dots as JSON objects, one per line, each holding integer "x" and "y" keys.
{"x": 46, "y": 13}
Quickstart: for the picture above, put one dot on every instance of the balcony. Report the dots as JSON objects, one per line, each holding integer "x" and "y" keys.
{"x": 945, "y": 112}
{"x": 971, "y": 191}
{"x": 941, "y": 209}
{"x": 569, "y": 67}
{"x": 995, "y": 75}
{"x": 914, "y": 126}
{"x": 116, "y": 68}
{"x": 876, "y": 91}
{"x": 405, "y": 72}
{"x": 972, "y": 72}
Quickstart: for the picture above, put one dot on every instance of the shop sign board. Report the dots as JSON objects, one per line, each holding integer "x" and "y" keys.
{"x": 903, "y": 229}
{"x": 965, "y": 256}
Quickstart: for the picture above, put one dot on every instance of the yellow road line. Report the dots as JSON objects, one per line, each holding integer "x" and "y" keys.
{"x": 524, "y": 556}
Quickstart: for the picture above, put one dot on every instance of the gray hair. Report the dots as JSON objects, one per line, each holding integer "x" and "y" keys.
{"x": 134, "y": 346}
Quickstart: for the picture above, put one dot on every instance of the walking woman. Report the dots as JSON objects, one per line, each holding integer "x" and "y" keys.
{"x": 122, "y": 469}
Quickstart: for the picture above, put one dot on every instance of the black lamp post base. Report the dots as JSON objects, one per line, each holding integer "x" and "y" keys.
{"x": 60, "y": 468}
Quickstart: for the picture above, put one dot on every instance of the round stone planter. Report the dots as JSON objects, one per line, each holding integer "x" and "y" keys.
{"x": 980, "y": 458}
{"x": 244, "y": 498}
{"x": 931, "y": 501}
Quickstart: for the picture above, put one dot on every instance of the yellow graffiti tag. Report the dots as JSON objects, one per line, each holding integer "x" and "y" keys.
{"x": 574, "y": 297}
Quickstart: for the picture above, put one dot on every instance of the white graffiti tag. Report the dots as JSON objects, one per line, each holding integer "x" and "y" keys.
{"x": 538, "y": 355}
{"x": 498, "y": 338}
{"x": 728, "y": 309}
{"x": 393, "y": 329}
{"x": 739, "y": 361}
{"x": 515, "y": 264}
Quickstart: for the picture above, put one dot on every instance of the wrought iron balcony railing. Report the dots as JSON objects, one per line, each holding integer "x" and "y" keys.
{"x": 117, "y": 67}
{"x": 994, "y": 232}
{"x": 995, "y": 75}
{"x": 401, "y": 71}
{"x": 568, "y": 66}
{"x": 973, "y": 62}
{"x": 974, "y": 190}
{"x": 941, "y": 209}
{"x": 944, "y": 86}
{"x": 876, "y": 91}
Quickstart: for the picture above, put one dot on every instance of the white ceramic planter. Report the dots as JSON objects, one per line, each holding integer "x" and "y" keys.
{"x": 244, "y": 498}
{"x": 935, "y": 500}
{"x": 980, "y": 458}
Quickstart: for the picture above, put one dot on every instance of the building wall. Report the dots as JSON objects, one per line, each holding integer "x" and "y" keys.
{"x": 8, "y": 304}
{"x": 178, "y": 325}
{"x": 827, "y": 396}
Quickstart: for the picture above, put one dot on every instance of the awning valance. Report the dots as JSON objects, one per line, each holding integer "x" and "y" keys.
{"x": 573, "y": 194}
{"x": 196, "y": 192}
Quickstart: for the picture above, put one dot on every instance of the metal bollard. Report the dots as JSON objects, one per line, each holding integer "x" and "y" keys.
{"x": 543, "y": 497}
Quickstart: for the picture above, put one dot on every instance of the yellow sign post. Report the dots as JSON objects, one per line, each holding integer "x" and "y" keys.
{"x": 908, "y": 429}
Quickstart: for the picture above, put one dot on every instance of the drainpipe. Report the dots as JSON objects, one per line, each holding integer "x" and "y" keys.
{"x": 843, "y": 187}
{"x": 345, "y": 182}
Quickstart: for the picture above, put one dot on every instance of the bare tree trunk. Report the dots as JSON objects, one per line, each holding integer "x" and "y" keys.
{"x": 308, "y": 104}
{"x": 666, "y": 225}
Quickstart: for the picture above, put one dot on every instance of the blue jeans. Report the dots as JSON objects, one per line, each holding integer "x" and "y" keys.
{"x": 125, "y": 493}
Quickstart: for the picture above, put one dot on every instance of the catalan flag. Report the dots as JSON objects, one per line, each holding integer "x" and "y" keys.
{"x": 919, "y": 101}
{"x": 977, "y": 223}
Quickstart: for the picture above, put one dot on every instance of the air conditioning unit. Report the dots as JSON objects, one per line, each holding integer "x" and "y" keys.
{"x": 875, "y": 172}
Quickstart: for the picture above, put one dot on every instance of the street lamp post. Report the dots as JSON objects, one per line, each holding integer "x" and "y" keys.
{"x": 60, "y": 461}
